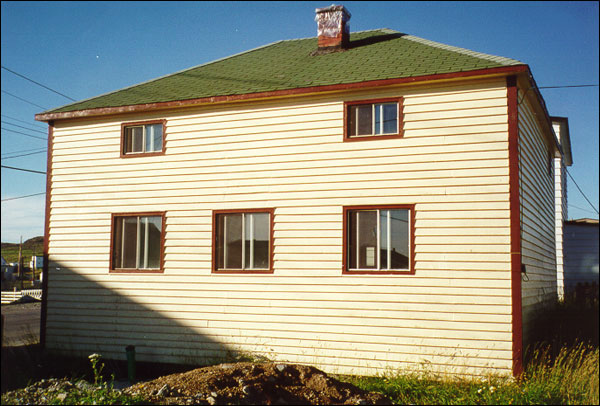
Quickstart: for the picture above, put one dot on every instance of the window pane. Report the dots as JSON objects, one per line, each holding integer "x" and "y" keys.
{"x": 153, "y": 247}
{"x": 361, "y": 119}
{"x": 154, "y": 137}
{"x": 134, "y": 139}
{"x": 400, "y": 241}
{"x": 352, "y": 240}
{"x": 233, "y": 241}
{"x": 390, "y": 118}
{"x": 261, "y": 236}
{"x": 367, "y": 239}
{"x": 378, "y": 128}
{"x": 129, "y": 242}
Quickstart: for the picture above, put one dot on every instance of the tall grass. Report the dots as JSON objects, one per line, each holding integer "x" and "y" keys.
{"x": 570, "y": 379}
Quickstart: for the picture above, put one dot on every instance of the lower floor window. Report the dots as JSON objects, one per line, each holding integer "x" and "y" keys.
{"x": 137, "y": 242}
{"x": 243, "y": 241}
{"x": 378, "y": 239}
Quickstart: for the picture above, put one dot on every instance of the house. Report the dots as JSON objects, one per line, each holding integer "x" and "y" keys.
{"x": 581, "y": 246}
{"x": 360, "y": 202}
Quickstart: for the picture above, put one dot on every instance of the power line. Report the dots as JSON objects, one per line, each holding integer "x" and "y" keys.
{"x": 26, "y": 101}
{"x": 21, "y": 169}
{"x": 18, "y": 132}
{"x": 20, "y": 126}
{"x": 22, "y": 121}
{"x": 562, "y": 87}
{"x": 37, "y": 83}
{"x": 585, "y": 197}
{"x": 25, "y": 150}
{"x": 18, "y": 156}
{"x": 579, "y": 208}
{"x": 22, "y": 197}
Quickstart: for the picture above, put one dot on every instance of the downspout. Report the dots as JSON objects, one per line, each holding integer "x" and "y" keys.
{"x": 45, "y": 267}
{"x": 515, "y": 225}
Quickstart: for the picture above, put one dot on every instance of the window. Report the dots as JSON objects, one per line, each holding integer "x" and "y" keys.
{"x": 144, "y": 138}
{"x": 373, "y": 118}
{"x": 243, "y": 241}
{"x": 137, "y": 242}
{"x": 379, "y": 239}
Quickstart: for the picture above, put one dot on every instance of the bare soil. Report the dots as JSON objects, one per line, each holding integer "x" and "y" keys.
{"x": 246, "y": 383}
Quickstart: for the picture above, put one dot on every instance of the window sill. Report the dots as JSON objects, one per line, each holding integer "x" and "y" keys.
{"x": 373, "y": 137}
{"x": 128, "y": 270}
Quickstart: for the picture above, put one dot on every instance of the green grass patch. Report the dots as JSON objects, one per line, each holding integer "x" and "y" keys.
{"x": 571, "y": 379}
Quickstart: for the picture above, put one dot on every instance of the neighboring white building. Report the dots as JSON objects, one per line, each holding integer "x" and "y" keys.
{"x": 561, "y": 161}
{"x": 362, "y": 204}
{"x": 581, "y": 253}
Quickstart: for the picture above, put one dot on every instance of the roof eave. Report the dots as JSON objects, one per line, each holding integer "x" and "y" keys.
{"x": 104, "y": 111}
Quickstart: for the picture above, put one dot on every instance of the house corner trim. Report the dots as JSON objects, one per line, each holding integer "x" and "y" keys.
{"x": 515, "y": 225}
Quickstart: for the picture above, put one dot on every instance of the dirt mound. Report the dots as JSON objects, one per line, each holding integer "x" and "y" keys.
{"x": 255, "y": 384}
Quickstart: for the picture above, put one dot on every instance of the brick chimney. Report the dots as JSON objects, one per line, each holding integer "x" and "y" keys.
{"x": 332, "y": 27}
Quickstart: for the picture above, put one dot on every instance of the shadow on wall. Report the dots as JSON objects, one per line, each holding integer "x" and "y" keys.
{"x": 163, "y": 320}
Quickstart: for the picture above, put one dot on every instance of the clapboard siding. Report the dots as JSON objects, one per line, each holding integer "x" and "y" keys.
{"x": 538, "y": 227}
{"x": 452, "y": 163}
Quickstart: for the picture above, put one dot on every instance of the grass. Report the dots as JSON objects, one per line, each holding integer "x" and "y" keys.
{"x": 571, "y": 379}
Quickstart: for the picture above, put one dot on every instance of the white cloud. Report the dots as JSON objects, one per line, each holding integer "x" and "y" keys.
{"x": 22, "y": 217}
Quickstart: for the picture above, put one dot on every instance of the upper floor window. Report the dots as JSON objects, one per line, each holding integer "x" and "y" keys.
{"x": 137, "y": 242}
{"x": 379, "y": 239}
{"x": 143, "y": 138}
{"x": 373, "y": 118}
{"x": 243, "y": 240}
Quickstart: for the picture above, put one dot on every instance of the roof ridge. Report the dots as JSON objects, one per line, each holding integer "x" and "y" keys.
{"x": 493, "y": 58}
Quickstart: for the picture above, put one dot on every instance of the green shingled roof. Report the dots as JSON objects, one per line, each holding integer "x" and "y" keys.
{"x": 284, "y": 65}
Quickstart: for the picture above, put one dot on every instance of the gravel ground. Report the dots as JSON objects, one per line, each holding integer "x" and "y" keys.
{"x": 241, "y": 383}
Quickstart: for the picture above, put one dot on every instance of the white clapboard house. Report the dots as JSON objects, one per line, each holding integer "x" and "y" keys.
{"x": 362, "y": 202}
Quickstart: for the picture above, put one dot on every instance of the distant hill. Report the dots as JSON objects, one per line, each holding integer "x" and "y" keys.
{"x": 31, "y": 243}
{"x": 10, "y": 251}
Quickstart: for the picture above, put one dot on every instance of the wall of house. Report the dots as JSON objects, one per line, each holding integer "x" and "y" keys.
{"x": 538, "y": 247}
{"x": 453, "y": 314}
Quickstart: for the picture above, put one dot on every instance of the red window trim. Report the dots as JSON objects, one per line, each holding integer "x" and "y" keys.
{"x": 113, "y": 220}
{"x": 214, "y": 269}
{"x": 138, "y": 123}
{"x": 347, "y": 209}
{"x": 399, "y": 134}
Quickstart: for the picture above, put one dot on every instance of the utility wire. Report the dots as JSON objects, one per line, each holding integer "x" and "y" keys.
{"x": 26, "y": 101}
{"x": 37, "y": 83}
{"x": 18, "y": 156}
{"x": 27, "y": 135}
{"x": 22, "y": 121}
{"x": 22, "y": 197}
{"x": 579, "y": 208}
{"x": 21, "y": 169}
{"x": 561, "y": 87}
{"x": 24, "y": 150}
{"x": 585, "y": 197}
{"x": 20, "y": 126}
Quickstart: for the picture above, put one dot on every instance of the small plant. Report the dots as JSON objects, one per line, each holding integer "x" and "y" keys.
{"x": 94, "y": 358}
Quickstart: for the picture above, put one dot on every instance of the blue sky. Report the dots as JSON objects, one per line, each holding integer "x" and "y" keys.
{"x": 84, "y": 49}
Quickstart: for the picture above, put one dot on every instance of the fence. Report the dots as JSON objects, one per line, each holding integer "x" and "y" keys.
{"x": 9, "y": 297}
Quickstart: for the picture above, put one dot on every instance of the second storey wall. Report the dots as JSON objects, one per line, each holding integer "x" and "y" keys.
{"x": 452, "y": 163}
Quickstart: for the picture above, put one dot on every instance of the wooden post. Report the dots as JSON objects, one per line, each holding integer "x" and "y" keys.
{"x": 20, "y": 264}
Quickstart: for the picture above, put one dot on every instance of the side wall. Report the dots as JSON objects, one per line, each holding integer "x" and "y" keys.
{"x": 538, "y": 247}
{"x": 453, "y": 314}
